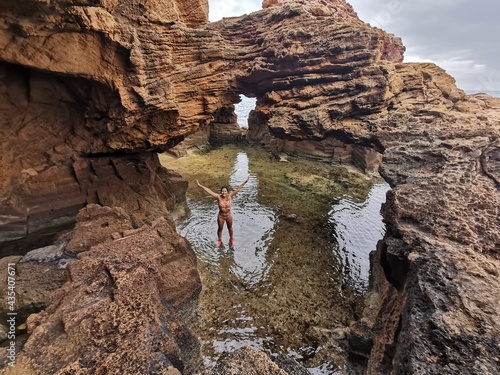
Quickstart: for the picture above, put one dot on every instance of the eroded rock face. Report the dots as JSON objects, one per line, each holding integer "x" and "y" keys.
{"x": 122, "y": 307}
{"x": 84, "y": 82}
{"x": 91, "y": 91}
{"x": 440, "y": 254}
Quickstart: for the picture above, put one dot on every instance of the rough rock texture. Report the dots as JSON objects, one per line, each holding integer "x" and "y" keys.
{"x": 119, "y": 311}
{"x": 84, "y": 82}
{"x": 37, "y": 276}
{"x": 91, "y": 90}
{"x": 249, "y": 361}
{"x": 441, "y": 251}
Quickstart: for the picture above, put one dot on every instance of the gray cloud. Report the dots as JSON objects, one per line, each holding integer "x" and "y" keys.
{"x": 458, "y": 35}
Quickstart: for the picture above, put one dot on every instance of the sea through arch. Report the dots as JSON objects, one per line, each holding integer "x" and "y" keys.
{"x": 243, "y": 109}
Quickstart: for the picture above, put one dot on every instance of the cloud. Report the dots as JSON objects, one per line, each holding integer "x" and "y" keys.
{"x": 231, "y": 8}
{"x": 458, "y": 35}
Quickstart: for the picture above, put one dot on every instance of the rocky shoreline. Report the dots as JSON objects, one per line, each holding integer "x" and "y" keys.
{"x": 90, "y": 94}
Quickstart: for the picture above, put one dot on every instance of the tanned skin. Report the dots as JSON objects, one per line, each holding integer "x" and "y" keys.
{"x": 224, "y": 199}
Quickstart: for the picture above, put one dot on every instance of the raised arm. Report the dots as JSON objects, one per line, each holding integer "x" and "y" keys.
{"x": 215, "y": 195}
{"x": 239, "y": 187}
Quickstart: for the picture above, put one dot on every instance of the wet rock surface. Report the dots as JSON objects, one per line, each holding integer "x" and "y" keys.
{"x": 249, "y": 361}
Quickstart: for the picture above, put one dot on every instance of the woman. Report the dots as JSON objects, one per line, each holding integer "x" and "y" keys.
{"x": 225, "y": 215}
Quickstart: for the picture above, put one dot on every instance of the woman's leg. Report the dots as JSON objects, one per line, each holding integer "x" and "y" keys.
{"x": 229, "y": 222}
{"x": 220, "y": 222}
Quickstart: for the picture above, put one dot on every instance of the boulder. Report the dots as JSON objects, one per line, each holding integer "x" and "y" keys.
{"x": 124, "y": 306}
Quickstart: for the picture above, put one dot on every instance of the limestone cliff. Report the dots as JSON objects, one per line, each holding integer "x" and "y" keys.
{"x": 91, "y": 90}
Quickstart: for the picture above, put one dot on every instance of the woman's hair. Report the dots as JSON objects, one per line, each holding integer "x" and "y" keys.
{"x": 224, "y": 187}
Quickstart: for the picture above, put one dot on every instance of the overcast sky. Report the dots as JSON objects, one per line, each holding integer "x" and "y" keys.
{"x": 461, "y": 36}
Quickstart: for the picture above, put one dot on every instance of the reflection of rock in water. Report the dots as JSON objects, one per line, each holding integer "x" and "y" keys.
{"x": 281, "y": 287}
{"x": 358, "y": 227}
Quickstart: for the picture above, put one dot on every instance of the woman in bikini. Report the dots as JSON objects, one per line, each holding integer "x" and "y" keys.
{"x": 224, "y": 199}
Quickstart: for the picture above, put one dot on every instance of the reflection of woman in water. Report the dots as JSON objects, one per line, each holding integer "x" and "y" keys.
{"x": 225, "y": 215}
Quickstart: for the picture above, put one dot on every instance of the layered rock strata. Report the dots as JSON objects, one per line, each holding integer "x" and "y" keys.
{"x": 91, "y": 91}
{"x": 81, "y": 82}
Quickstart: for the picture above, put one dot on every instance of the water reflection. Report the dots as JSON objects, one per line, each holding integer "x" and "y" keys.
{"x": 358, "y": 227}
{"x": 294, "y": 273}
{"x": 253, "y": 226}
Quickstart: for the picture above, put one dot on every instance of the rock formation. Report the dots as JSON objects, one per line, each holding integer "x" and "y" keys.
{"x": 254, "y": 362}
{"x": 92, "y": 90}
{"x": 83, "y": 112}
{"x": 87, "y": 84}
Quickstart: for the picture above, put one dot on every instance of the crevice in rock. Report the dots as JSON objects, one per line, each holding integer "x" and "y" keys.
{"x": 395, "y": 267}
{"x": 490, "y": 162}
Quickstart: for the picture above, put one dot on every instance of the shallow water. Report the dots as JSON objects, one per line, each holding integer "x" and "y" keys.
{"x": 358, "y": 226}
{"x": 300, "y": 265}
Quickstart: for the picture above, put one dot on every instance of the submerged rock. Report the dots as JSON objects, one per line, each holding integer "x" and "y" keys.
{"x": 291, "y": 217}
{"x": 249, "y": 361}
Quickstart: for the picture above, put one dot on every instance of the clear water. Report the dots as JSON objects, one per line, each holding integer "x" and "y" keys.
{"x": 358, "y": 226}
{"x": 287, "y": 283}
